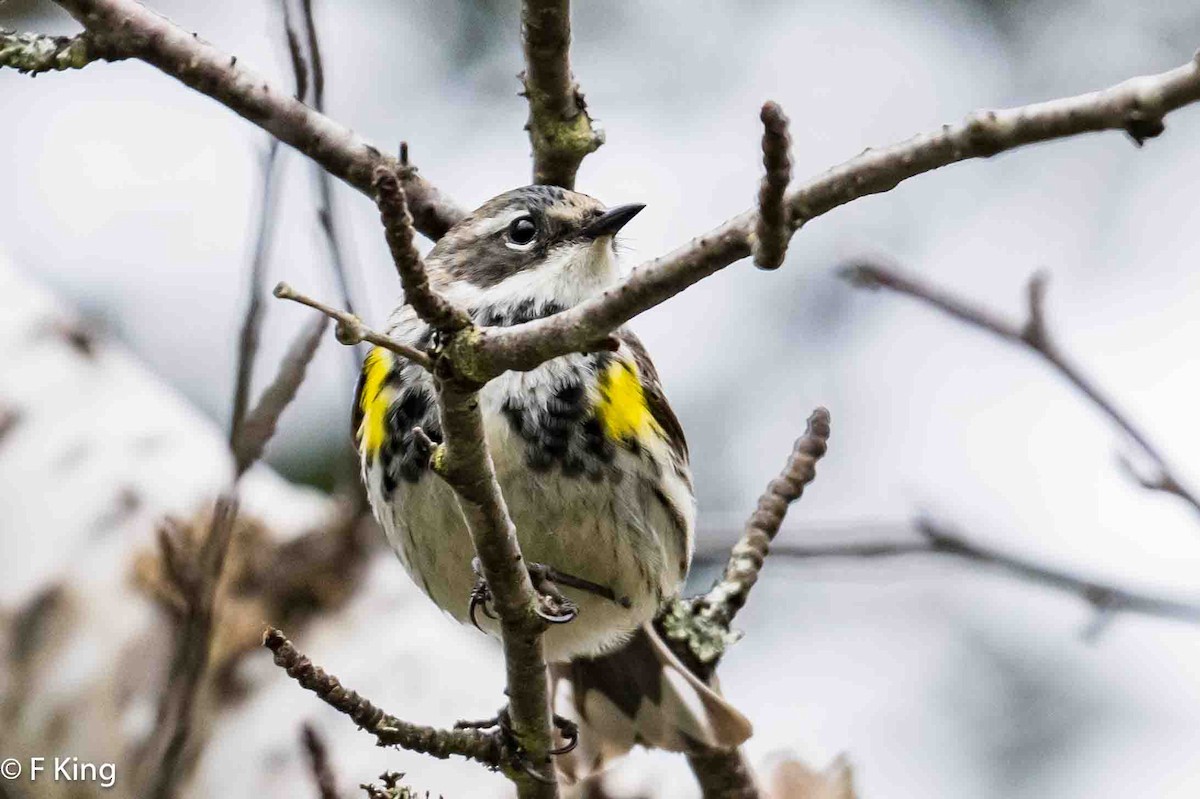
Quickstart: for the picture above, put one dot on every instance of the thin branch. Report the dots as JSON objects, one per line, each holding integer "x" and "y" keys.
{"x": 326, "y": 211}
{"x": 398, "y": 228}
{"x": 387, "y": 729}
{"x": 939, "y": 539}
{"x": 266, "y": 215}
{"x": 33, "y": 53}
{"x": 729, "y": 594}
{"x": 318, "y": 762}
{"x": 771, "y": 233}
{"x": 127, "y": 29}
{"x": 1137, "y": 106}
{"x": 260, "y": 424}
{"x": 252, "y": 321}
{"x": 560, "y": 130}
{"x": 351, "y": 330}
{"x": 1034, "y": 334}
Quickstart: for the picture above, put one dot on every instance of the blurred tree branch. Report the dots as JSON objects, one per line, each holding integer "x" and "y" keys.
{"x": 318, "y": 762}
{"x": 1033, "y": 334}
{"x": 939, "y": 538}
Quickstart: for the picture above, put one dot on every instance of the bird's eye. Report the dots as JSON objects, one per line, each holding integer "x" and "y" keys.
{"x": 522, "y": 231}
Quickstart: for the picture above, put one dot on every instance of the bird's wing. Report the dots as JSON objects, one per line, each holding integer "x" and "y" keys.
{"x": 640, "y": 694}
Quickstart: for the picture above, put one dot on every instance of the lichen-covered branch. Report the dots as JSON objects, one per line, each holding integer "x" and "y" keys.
{"x": 33, "y": 53}
{"x": 387, "y": 729}
{"x": 1137, "y": 106}
{"x": 771, "y": 233}
{"x": 729, "y": 594}
{"x": 560, "y": 130}
{"x": 1034, "y": 334}
{"x": 698, "y": 629}
{"x": 127, "y": 29}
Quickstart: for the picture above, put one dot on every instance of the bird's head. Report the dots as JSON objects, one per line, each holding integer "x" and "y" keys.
{"x": 537, "y": 243}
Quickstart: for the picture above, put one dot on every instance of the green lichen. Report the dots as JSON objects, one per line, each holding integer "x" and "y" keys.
{"x": 684, "y": 623}
{"x": 31, "y": 53}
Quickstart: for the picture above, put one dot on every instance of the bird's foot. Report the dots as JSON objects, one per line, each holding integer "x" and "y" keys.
{"x": 554, "y": 607}
{"x": 501, "y": 726}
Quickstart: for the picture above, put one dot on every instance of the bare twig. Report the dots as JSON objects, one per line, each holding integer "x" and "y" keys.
{"x": 729, "y": 594}
{"x": 266, "y": 216}
{"x": 32, "y": 53}
{"x": 560, "y": 130}
{"x": 318, "y": 762}
{"x": 1034, "y": 334}
{"x": 698, "y": 629}
{"x": 127, "y": 29}
{"x": 260, "y": 424}
{"x": 771, "y": 233}
{"x": 1137, "y": 106}
{"x": 937, "y": 538}
{"x": 326, "y": 210}
{"x": 252, "y": 321}
{"x": 387, "y": 729}
{"x": 398, "y": 228}
{"x": 351, "y": 330}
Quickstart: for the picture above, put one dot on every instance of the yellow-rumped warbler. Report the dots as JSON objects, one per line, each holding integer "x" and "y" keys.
{"x": 590, "y": 457}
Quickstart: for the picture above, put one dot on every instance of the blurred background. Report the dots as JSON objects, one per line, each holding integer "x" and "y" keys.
{"x": 131, "y": 199}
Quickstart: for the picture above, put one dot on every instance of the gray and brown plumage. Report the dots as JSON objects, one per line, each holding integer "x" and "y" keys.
{"x": 589, "y": 455}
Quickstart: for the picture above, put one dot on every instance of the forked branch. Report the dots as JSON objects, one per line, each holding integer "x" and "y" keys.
{"x": 1034, "y": 334}
{"x": 1137, "y": 106}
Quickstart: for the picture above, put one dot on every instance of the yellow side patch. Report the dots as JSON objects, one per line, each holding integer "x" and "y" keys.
{"x": 622, "y": 407}
{"x": 375, "y": 400}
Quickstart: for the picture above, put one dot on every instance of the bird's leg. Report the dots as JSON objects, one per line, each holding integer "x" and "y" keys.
{"x": 550, "y": 576}
{"x": 481, "y": 595}
{"x": 554, "y": 607}
{"x": 501, "y": 723}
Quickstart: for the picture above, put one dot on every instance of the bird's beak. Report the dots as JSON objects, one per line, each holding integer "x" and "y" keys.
{"x": 612, "y": 220}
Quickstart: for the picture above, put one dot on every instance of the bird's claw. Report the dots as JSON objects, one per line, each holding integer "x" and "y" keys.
{"x": 553, "y": 606}
{"x": 501, "y": 723}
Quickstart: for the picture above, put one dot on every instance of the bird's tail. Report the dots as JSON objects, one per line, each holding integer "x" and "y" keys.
{"x": 639, "y": 694}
